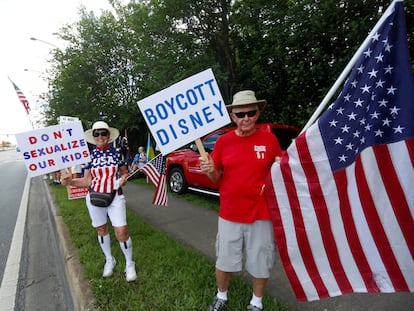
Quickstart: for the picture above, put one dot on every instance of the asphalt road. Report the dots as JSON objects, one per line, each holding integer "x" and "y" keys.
{"x": 11, "y": 189}
{"x": 32, "y": 270}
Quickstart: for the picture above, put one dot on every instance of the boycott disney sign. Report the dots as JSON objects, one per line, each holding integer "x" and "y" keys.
{"x": 184, "y": 111}
{"x": 53, "y": 148}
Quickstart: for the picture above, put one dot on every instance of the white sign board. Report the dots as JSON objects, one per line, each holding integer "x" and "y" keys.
{"x": 185, "y": 111}
{"x": 66, "y": 119}
{"x": 53, "y": 148}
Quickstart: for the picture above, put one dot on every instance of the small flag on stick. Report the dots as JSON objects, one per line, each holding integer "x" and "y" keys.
{"x": 21, "y": 97}
{"x": 155, "y": 171}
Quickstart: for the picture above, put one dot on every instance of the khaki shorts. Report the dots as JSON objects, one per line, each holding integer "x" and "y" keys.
{"x": 256, "y": 239}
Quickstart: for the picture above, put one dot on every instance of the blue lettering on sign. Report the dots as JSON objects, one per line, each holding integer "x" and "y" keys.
{"x": 161, "y": 111}
{"x": 192, "y": 97}
{"x": 149, "y": 115}
{"x": 194, "y": 121}
{"x": 182, "y": 105}
{"x": 44, "y": 137}
{"x": 163, "y": 137}
{"x": 207, "y": 114}
{"x": 183, "y": 126}
{"x": 180, "y": 102}
{"x": 219, "y": 107}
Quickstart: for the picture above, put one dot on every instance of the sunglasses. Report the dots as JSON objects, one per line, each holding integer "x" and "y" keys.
{"x": 97, "y": 134}
{"x": 241, "y": 115}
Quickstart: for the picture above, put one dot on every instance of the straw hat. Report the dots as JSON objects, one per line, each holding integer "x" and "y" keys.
{"x": 101, "y": 125}
{"x": 247, "y": 97}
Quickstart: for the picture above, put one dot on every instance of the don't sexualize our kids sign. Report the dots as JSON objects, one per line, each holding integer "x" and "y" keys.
{"x": 53, "y": 148}
{"x": 184, "y": 111}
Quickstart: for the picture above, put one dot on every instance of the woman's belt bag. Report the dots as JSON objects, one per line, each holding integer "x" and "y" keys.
{"x": 101, "y": 199}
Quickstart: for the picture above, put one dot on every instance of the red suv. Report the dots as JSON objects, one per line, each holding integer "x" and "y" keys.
{"x": 183, "y": 166}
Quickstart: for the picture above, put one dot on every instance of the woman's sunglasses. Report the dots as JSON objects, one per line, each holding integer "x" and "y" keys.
{"x": 241, "y": 115}
{"x": 97, "y": 134}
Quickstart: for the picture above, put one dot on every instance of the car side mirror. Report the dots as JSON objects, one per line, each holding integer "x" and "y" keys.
{"x": 194, "y": 147}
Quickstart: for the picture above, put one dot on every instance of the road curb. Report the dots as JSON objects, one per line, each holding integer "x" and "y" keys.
{"x": 83, "y": 299}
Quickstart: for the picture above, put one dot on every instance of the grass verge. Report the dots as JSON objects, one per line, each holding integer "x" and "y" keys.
{"x": 170, "y": 276}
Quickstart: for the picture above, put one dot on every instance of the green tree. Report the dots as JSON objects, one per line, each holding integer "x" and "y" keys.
{"x": 93, "y": 75}
{"x": 289, "y": 52}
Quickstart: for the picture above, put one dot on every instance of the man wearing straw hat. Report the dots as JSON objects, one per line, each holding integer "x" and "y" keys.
{"x": 240, "y": 161}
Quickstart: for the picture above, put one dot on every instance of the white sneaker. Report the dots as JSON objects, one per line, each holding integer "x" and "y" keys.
{"x": 130, "y": 273}
{"x": 109, "y": 268}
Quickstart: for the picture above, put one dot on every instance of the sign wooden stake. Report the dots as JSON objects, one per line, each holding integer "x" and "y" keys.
{"x": 201, "y": 149}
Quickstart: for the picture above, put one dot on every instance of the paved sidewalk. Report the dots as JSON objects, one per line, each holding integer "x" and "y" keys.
{"x": 196, "y": 227}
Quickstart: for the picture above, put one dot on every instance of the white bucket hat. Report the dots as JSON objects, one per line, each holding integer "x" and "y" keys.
{"x": 101, "y": 125}
{"x": 247, "y": 97}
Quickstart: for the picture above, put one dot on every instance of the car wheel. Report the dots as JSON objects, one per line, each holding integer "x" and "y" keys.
{"x": 176, "y": 181}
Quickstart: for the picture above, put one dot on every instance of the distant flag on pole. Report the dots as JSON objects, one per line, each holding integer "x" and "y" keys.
{"x": 155, "y": 171}
{"x": 21, "y": 97}
{"x": 149, "y": 148}
{"x": 342, "y": 199}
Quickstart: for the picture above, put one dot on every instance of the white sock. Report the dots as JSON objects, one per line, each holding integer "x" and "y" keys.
{"x": 222, "y": 295}
{"x": 127, "y": 250}
{"x": 256, "y": 301}
{"x": 105, "y": 243}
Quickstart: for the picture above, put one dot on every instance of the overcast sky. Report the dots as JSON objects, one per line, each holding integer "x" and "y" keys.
{"x": 19, "y": 21}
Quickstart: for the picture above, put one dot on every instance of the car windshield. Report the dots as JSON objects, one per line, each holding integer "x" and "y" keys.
{"x": 211, "y": 141}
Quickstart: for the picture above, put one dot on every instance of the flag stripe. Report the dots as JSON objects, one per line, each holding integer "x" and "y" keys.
{"x": 282, "y": 234}
{"x": 323, "y": 219}
{"x": 299, "y": 226}
{"x": 160, "y": 197}
{"x": 397, "y": 220}
{"x": 410, "y": 146}
{"x": 151, "y": 173}
{"x": 338, "y": 204}
{"x": 392, "y": 223}
{"x": 395, "y": 192}
{"x": 358, "y": 255}
{"x": 155, "y": 171}
{"x": 376, "y": 224}
{"x": 332, "y": 274}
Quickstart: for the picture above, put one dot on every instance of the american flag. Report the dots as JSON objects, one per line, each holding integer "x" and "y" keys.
{"x": 155, "y": 171}
{"x": 104, "y": 169}
{"x": 21, "y": 97}
{"x": 342, "y": 199}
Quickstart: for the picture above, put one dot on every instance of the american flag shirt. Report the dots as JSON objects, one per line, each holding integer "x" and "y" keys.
{"x": 104, "y": 168}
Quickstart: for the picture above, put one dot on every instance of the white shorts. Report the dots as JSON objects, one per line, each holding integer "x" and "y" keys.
{"x": 258, "y": 241}
{"x": 116, "y": 212}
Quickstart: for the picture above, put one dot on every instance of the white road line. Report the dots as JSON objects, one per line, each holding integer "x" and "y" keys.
{"x": 8, "y": 288}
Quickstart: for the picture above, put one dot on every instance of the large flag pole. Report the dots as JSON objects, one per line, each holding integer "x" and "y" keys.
{"x": 348, "y": 68}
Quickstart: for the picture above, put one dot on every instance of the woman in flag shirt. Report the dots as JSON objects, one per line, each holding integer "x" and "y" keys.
{"x": 104, "y": 174}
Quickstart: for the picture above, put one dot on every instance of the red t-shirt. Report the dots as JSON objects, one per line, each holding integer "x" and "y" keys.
{"x": 246, "y": 162}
